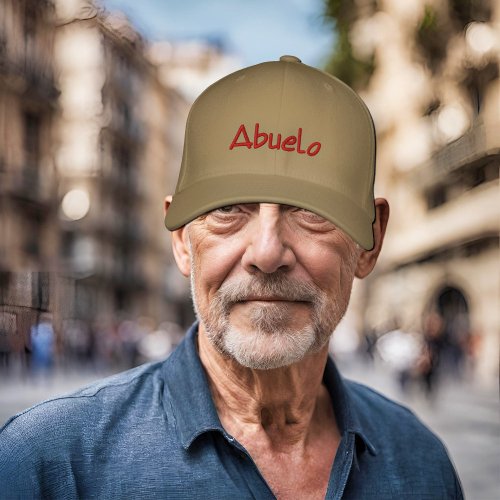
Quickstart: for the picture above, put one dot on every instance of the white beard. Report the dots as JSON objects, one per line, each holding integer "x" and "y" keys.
{"x": 262, "y": 351}
{"x": 270, "y": 343}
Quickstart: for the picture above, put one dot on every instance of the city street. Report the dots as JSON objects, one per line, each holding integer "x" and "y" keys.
{"x": 465, "y": 416}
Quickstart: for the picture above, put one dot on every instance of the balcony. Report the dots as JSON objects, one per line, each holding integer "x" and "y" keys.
{"x": 27, "y": 185}
{"x": 478, "y": 145}
{"x": 28, "y": 76}
{"x": 473, "y": 216}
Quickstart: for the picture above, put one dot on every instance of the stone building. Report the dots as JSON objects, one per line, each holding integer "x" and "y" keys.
{"x": 29, "y": 232}
{"x": 191, "y": 66}
{"x": 89, "y": 136}
{"x": 28, "y": 100}
{"x": 435, "y": 97}
{"x": 113, "y": 157}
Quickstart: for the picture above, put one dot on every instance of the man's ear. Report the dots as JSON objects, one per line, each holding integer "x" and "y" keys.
{"x": 180, "y": 245}
{"x": 368, "y": 258}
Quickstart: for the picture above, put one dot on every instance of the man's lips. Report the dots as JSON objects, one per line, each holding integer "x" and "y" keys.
{"x": 270, "y": 299}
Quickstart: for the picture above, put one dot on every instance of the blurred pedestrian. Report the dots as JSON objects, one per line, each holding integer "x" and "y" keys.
{"x": 401, "y": 350}
{"x": 130, "y": 334}
{"x": 42, "y": 346}
{"x": 429, "y": 364}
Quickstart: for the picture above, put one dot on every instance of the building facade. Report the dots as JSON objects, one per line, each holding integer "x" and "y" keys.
{"x": 28, "y": 101}
{"x": 88, "y": 150}
{"x": 113, "y": 159}
{"x": 435, "y": 97}
{"x": 29, "y": 232}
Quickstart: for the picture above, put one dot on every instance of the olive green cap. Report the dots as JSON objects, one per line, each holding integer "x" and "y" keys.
{"x": 280, "y": 132}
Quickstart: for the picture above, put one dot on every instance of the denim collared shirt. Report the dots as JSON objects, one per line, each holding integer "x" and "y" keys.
{"x": 154, "y": 432}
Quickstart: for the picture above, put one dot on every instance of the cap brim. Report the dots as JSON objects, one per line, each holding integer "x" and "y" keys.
{"x": 207, "y": 194}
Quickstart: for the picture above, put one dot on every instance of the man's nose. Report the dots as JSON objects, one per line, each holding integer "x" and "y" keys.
{"x": 268, "y": 249}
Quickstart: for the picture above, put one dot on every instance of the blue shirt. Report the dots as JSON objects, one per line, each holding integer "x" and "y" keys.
{"x": 154, "y": 432}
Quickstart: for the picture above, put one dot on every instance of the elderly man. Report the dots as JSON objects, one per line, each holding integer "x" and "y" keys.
{"x": 272, "y": 219}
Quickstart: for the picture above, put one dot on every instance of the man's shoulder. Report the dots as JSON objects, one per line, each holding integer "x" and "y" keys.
{"x": 371, "y": 401}
{"x": 88, "y": 432}
{"x": 391, "y": 423}
{"x": 410, "y": 455}
{"x": 85, "y": 407}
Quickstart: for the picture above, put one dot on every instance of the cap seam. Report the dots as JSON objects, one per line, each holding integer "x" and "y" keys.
{"x": 278, "y": 121}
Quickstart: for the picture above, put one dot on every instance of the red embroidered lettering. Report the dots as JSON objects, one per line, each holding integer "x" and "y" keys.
{"x": 313, "y": 149}
{"x": 299, "y": 140}
{"x": 262, "y": 138}
{"x": 278, "y": 142}
{"x": 257, "y": 136}
{"x": 289, "y": 141}
{"x": 247, "y": 142}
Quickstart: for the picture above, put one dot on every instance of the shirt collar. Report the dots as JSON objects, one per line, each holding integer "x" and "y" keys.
{"x": 194, "y": 410}
{"x": 345, "y": 408}
{"x": 192, "y": 405}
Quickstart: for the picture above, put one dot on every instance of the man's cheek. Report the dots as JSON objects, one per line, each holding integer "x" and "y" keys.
{"x": 211, "y": 274}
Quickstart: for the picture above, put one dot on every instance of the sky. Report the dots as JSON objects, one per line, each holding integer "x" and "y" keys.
{"x": 252, "y": 30}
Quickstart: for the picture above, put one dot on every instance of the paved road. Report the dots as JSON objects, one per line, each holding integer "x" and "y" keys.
{"x": 465, "y": 416}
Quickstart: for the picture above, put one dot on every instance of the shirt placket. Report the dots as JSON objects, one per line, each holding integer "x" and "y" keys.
{"x": 342, "y": 466}
{"x": 250, "y": 472}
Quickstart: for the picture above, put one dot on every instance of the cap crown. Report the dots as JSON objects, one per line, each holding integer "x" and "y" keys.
{"x": 279, "y": 132}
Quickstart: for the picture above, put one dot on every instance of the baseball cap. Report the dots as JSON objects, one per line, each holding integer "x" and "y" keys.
{"x": 281, "y": 132}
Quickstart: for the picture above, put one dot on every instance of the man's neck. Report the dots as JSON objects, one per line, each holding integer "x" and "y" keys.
{"x": 285, "y": 405}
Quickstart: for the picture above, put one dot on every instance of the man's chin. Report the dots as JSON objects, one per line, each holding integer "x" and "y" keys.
{"x": 270, "y": 318}
{"x": 261, "y": 350}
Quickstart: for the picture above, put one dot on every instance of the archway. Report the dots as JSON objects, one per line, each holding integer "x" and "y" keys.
{"x": 453, "y": 307}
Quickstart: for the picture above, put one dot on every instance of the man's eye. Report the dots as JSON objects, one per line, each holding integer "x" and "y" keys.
{"x": 229, "y": 209}
{"x": 310, "y": 216}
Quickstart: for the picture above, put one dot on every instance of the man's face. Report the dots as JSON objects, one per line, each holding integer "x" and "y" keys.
{"x": 269, "y": 282}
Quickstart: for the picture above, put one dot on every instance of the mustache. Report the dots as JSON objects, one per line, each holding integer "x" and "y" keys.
{"x": 276, "y": 285}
